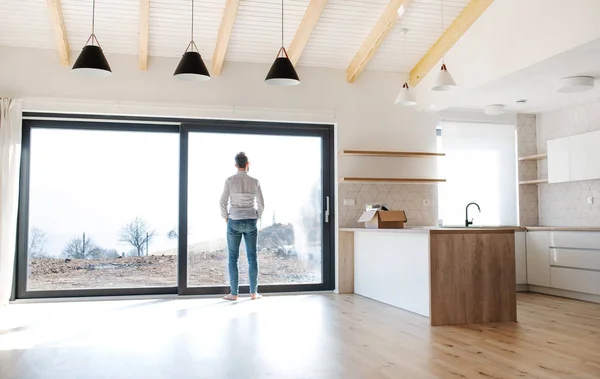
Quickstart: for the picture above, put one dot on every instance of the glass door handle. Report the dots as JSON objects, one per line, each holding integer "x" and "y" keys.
{"x": 327, "y": 209}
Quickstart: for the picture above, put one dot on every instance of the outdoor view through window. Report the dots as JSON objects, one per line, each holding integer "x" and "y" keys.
{"x": 103, "y": 208}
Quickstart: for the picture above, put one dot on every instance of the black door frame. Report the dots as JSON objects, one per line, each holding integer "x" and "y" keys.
{"x": 183, "y": 127}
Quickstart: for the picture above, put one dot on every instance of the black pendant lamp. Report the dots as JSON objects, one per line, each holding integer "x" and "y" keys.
{"x": 191, "y": 66}
{"x": 282, "y": 73}
{"x": 92, "y": 61}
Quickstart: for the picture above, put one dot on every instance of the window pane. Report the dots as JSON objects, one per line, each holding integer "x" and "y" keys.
{"x": 103, "y": 209}
{"x": 290, "y": 232}
{"x": 480, "y": 166}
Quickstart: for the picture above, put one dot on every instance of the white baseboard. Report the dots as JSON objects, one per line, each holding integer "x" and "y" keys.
{"x": 564, "y": 293}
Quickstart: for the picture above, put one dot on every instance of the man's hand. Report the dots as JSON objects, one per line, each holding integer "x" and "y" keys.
{"x": 226, "y": 220}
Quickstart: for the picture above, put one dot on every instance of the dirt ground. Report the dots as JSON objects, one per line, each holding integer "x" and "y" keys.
{"x": 204, "y": 269}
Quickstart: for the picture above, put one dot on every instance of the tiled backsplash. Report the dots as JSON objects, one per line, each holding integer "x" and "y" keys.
{"x": 565, "y": 204}
{"x": 528, "y": 194}
{"x": 407, "y": 197}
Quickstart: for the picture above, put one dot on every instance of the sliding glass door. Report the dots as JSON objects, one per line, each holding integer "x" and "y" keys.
{"x": 290, "y": 242}
{"x": 111, "y": 208}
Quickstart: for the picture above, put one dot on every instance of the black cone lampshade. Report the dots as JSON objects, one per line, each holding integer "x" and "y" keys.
{"x": 92, "y": 62}
{"x": 282, "y": 72}
{"x": 191, "y": 67}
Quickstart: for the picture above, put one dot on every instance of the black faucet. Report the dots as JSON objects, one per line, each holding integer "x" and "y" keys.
{"x": 467, "y": 222}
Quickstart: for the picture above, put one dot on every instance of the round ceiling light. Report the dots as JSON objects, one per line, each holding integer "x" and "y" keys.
{"x": 575, "y": 84}
{"x": 494, "y": 109}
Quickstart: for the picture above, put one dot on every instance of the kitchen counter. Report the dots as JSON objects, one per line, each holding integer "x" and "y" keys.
{"x": 440, "y": 230}
{"x": 451, "y": 275}
{"x": 475, "y": 229}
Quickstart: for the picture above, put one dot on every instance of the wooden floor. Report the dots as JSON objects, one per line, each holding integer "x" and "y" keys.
{"x": 304, "y": 336}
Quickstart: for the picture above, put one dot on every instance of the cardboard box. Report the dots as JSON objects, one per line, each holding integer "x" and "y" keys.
{"x": 378, "y": 219}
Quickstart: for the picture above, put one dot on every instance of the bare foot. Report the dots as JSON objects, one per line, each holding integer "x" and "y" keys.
{"x": 230, "y": 297}
{"x": 255, "y": 296}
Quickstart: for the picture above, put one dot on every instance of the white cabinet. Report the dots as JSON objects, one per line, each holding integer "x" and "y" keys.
{"x": 574, "y": 158}
{"x": 521, "y": 257}
{"x": 565, "y": 260}
{"x": 584, "y": 153}
{"x": 575, "y": 261}
{"x": 576, "y": 280}
{"x": 538, "y": 258}
{"x": 575, "y": 258}
{"x": 559, "y": 160}
{"x": 576, "y": 240}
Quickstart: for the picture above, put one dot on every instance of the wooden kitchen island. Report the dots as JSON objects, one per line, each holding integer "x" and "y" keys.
{"x": 451, "y": 275}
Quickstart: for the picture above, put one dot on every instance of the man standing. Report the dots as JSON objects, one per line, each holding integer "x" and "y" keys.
{"x": 243, "y": 195}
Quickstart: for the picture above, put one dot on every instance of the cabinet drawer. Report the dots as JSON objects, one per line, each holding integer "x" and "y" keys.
{"x": 575, "y": 280}
{"x": 581, "y": 240}
{"x": 587, "y": 259}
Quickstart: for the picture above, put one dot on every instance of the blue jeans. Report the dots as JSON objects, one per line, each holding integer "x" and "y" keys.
{"x": 235, "y": 230}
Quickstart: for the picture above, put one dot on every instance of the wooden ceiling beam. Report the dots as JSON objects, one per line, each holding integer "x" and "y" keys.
{"x": 307, "y": 25}
{"x": 144, "y": 33}
{"x": 448, "y": 39}
{"x": 60, "y": 31}
{"x": 227, "y": 22}
{"x": 381, "y": 29}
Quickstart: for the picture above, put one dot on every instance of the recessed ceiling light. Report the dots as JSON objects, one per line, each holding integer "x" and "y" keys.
{"x": 575, "y": 84}
{"x": 494, "y": 109}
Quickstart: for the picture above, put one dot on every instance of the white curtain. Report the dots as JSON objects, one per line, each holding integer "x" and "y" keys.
{"x": 10, "y": 160}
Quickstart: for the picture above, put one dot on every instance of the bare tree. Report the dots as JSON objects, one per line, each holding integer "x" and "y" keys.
{"x": 138, "y": 234}
{"x": 37, "y": 243}
{"x": 108, "y": 253}
{"x": 81, "y": 248}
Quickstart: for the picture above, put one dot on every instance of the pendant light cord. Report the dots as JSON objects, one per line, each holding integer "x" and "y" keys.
{"x": 404, "y": 32}
{"x": 282, "y": 24}
{"x": 442, "y": 9}
{"x": 93, "y": 17}
{"x": 191, "y": 39}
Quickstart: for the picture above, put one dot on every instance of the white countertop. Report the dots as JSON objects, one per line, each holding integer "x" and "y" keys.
{"x": 411, "y": 229}
{"x": 473, "y": 229}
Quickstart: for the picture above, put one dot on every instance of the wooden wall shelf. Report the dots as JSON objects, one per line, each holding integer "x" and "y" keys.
{"x": 535, "y": 181}
{"x": 391, "y": 180}
{"x": 535, "y": 157}
{"x": 391, "y": 154}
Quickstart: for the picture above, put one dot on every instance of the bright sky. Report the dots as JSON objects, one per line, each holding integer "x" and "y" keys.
{"x": 97, "y": 181}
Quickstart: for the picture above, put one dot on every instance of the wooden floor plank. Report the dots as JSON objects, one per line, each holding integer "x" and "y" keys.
{"x": 322, "y": 336}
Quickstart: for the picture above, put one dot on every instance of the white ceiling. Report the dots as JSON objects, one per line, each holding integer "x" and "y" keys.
{"x": 537, "y": 84}
{"x": 339, "y": 33}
